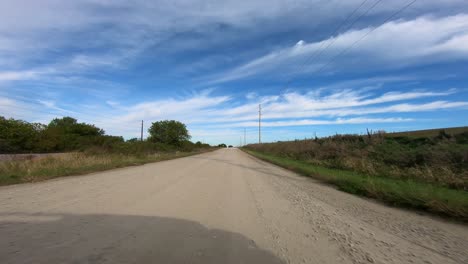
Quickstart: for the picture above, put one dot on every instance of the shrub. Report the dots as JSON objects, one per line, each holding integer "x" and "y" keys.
{"x": 441, "y": 158}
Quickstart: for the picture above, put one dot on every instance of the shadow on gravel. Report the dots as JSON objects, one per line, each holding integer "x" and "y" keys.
{"x": 66, "y": 238}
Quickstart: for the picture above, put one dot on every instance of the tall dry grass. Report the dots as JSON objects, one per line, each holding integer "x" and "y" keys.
{"x": 441, "y": 160}
{"x": 41, "y": 168}
{"x": 396, "y": 192}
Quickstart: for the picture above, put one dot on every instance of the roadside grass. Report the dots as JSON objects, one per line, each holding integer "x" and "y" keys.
{"x": 66, "y": 164}
{"x": 396, "y": 192}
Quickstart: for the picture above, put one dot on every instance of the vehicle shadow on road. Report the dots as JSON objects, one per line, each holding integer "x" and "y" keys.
{"x": 67, "y": 238}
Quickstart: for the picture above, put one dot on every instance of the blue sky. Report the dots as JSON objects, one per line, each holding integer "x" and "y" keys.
{"x": 210, "y": 63}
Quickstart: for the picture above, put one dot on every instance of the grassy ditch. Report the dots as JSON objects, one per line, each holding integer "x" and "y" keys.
{"x": 43, "y": 168}
{"x": 398, "y": 192}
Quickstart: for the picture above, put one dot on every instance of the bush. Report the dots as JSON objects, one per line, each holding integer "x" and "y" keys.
{"x": 67, "y": 134}
{"x": 17, "y": 136}
{"x": 441, "y": 158}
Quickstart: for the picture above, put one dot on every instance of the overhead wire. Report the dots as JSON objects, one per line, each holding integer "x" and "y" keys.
{"x": 364, "y": 36}
{"x": 319, "y": 51}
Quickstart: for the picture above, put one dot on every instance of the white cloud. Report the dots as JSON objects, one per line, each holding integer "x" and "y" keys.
{"x": 124, "y": 30}
{"x": 396, "y": 44}
{"x": 7, "y": 102}
{"x": 338, "y": 121}
{"x": 339, "y": 103}
{"x": 217, "y": 117}
{"x": 48, "y": 104}
{"x": 205, "y": 109}
{"x": 300, "y": 43}
{"x": 437, "y": 105}
{"x": 17, "y": 75}
{"x": 61, "y": 44}
{"x": 251, "y": 95}
{"x": 112, "y": 103}
{"x": 184, "y": 109}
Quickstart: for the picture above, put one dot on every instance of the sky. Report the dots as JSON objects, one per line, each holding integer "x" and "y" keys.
{"x": 317, "y": 67}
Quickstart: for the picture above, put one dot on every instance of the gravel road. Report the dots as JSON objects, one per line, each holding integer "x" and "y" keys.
{"x": 217, "y": 207}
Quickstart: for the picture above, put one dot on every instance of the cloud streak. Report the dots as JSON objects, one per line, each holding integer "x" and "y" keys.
{"x": 417, "y": 43}
{"x": 219, "y": 113}
{"x": 338, "y": 121}
{"x": 114, "y": 63}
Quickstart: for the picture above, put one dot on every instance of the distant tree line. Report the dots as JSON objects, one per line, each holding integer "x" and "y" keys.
{"x": 67, "y": 134}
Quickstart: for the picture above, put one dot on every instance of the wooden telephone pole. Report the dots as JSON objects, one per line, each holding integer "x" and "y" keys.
{"x": 244, "y": 138}
{"x": 141, "y": 136}
{"x": 259, "y": 124}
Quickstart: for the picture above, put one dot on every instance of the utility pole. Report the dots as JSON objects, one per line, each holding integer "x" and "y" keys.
{"x": 259, "y": 124}
{"x": 141, "y": 136}
{"x": 244, "y": 138}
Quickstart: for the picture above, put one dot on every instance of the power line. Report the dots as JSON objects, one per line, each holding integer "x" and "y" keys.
{"x": 333, "y": 40}
{"x": 319, "y": 51}
{"x": 365, "y": 35}
{"x": 319, "y": 8}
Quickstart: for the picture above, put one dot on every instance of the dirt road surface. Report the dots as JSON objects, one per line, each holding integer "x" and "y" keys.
{"x": 218, "y": 207}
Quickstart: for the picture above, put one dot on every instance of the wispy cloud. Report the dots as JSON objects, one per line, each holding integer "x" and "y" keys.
{"x": 221, "y": 113}
{"x": 114, "y": 63}
{"x": 417, "y": 43}
{"x": 17, "y": 75}
{"x": 343, "y": 102}
{"x": 338, "y": 121}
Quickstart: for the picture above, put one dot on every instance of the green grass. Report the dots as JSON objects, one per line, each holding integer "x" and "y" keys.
{"x": 39, "y": 169}
{"x": 397, "y": 192}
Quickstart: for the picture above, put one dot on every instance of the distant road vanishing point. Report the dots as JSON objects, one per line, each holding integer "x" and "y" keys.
{"x": 217, "y": 207}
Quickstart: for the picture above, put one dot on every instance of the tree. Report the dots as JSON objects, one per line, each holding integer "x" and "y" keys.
{"x": 62, "y": 134}
{"x": 222, "y": 145}
{"x": 67, "y": 134}
{"x": 169, "y": 132}
{"x": 18, "y": 136}
{"x": 69, "y": 125}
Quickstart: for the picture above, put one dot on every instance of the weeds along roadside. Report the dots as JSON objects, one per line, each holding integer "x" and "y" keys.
{"x": 441, "y": 159}
{"x": 78, "y": 163}
{"x": 428, "y": 173}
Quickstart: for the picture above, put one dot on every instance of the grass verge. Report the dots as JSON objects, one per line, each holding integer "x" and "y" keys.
{"x": 403, "y": 193}
{"x": 39, "y": 169}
